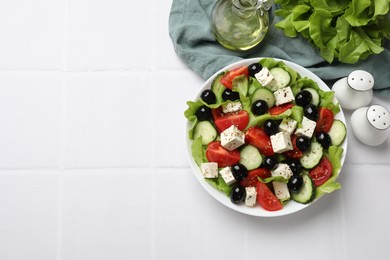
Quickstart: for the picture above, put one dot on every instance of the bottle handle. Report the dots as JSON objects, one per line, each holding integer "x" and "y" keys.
{"x": 265, "y": 4}
{"x": 254, "y": 4}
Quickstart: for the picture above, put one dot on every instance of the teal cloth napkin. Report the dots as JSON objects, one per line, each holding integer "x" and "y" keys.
{"x": 189, "y": 29}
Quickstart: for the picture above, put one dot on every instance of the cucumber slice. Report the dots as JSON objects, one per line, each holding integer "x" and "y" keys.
{"x": 307, "y": 192}
{"x": 315, "y": 96}
{"x": 250, "y": 157}
{"x": 218, "y": 88}
{"x": 337, "y": 132}
{"x": 313, "y": 156}
{"x": 205, "y": 130}
{"x": 264, "y": 94}
{"x": 281, "y": 76}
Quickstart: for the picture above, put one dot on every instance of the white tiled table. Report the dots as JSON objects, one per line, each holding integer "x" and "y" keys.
{"x": 92, "y": 156}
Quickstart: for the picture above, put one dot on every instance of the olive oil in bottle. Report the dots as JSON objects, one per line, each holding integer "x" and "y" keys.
{"x": 240, "y": 24}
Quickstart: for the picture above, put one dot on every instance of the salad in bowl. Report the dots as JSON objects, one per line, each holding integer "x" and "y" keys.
{"x": 266, "y": 137}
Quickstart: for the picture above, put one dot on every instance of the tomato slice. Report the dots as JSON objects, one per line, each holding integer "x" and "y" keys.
{"x": 215, "y": 152}
{"x": 257, "y": 137}
{"x": 223, "y": 121}
{"x": 266, "y": 198}
{"x": 251, "y": 179}
{"x": 277, "y": 110}
{"x": 325, "y": 120}
{"x": 217, "y": 113}
{"x": 227, "y": 79}
{"x": 295, "y": 152}
{"x": 322, "y": 172}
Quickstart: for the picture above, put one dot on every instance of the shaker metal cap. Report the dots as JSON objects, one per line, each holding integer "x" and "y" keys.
{"x": 379, "y": 117}
{"x": 360, "y": 80}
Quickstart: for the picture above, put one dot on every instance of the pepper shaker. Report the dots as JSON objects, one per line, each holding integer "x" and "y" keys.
{"x": 370, "y": 124}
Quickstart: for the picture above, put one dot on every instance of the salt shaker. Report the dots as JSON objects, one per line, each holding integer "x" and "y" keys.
{"x": 354, "y": 91}
{"x": 370, "y": 124}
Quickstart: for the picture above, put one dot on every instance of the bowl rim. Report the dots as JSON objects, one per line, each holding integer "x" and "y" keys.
{"x": 291, "y": 206}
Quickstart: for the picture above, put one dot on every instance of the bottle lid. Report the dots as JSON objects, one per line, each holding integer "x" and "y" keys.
{"x": 379, "y": 117}
{"x": 360, "y": 80}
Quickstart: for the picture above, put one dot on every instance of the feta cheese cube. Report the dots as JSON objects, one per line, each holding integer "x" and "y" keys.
{"x": 288, "y": 125}
{"x": 250, "y": 198}
{"x": 281, "y": 142}
{"x": 265, "y": 77}
{"x": 281, "y": 190}
{"x": 227, "y": 175}
{"x": 232, "y": 138}
{"x": 233, "y": 106}
{"x": 283, "y": 95}
{"x": 282, "y": 170}
{"x": 209, "y": 169}
{"x": 307, "y": 129}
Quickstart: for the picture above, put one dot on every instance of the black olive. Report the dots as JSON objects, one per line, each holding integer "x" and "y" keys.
{"x": 324, "y": 139}
{"x": 271, "y": 127}
{"x": 303, "y": 143}
{"x": 238, "y": 194}
{"x": 254, "y": 68}
{"x": 239, "y": 171}
{"x": 259, "y": 107}
{"x": 295, "y": 183}
{"x": 311, "y": 112}
{"x": 231, "y": 95}
{"x": 270, "y": 162}
{"x": 295, "y": 165}
{"x": 303, "y": 98}
{"x": 203, "y": 113}
{"x": 208, "y": 96}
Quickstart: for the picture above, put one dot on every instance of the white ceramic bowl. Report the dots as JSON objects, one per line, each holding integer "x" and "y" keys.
{"x": 291, "y": 206}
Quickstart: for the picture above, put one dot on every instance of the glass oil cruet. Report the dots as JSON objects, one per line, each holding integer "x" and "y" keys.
{"x": 240, "y": 24}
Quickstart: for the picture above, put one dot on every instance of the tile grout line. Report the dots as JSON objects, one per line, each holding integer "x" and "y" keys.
{"x": 72, "y": 71}
{"x": 61, "y": 154}
{"x": 246, "y": 248}
{"x": 153, "y": 219}
{"x": 153, "y": 176}
{"x": 72, "y": 169}
{"x": 344, "y": 227}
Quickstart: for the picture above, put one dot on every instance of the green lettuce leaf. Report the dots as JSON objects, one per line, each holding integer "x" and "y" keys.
{"x": 334, "y": 154}
{"x": 327, "y": 97}
{"x": 289, "y": 24}
{"x": 273, "y": 178}
{"x": 304, "y": 83}
{"x": 289, "y": 4}
{"x": 220, "y": 184}
{"x": 197, "y": 151}
{"x": 358, "y": 46}
{"x": 259, "y": 120}
{"x": 271, "y": 63}
{"x": 327, "y": 187}
{"x": 254, "y": 84}
{"x": 301, "y": 26}
{"x": 240, "y": 84}
{"x": 297, "y": 114}
{"x": 323, "y": 34}
{"x": 334, "y": 6}
{"x": 346, "y": 30}
{"x": 327, "y": 101}
{"x": 191, "y": 117}
{"x": 343, "y": 29}
{"x": 361, "y": 12}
